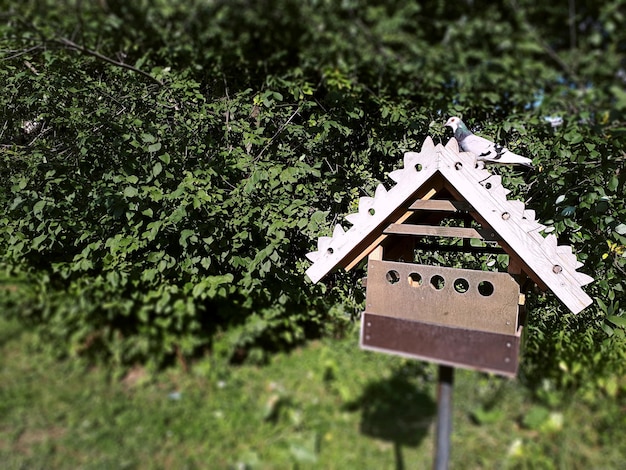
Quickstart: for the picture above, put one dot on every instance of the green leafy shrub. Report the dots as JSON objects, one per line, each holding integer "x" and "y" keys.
{"x": 166, "y": 165}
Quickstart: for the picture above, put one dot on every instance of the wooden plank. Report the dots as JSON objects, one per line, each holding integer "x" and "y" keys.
{"x": 460, "y": 298}
{"x": 348, "y": 249}
{"x": 496, "y": 250}
{"x": 357, "y": 259}
{"x": 458, "y": 347}
{"x": 440, "y": 206}
{"x": 432, "y": 231}
{"x": 376, "y": 254}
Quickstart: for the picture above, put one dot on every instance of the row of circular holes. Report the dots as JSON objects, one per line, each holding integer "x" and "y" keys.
{"x": 437, "y": 282}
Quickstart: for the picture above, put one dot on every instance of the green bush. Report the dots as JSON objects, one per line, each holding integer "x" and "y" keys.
{"x": 166, "y": 165}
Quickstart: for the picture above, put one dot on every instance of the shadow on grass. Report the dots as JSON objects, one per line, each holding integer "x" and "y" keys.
{"x": 396, "y": 410}
{"x": 10, "y": 331}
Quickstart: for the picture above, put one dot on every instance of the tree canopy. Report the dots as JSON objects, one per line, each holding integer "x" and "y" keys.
{"x": 165, "y": 165}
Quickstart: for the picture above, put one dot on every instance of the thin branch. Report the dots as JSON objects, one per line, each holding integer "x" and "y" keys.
{"x": 77, "y": 47}
{"x": 20, "y": 53}
{"x": 72, "y": 45}
{"x": 572, "y": 24}
{"x": 546, "y": 47}
{"x": 31, "y": 67}
{"x": 280, "y": 129}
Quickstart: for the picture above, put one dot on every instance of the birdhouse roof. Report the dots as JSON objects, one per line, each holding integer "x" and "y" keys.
{"x": 519, "y": 234}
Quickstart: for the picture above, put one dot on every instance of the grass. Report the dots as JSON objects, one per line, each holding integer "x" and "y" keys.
{"x": 327, "y": 405}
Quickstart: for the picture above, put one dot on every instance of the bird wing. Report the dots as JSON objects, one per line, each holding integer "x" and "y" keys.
{"x": 488, "y": 151}
{"x": 483, "y": 149}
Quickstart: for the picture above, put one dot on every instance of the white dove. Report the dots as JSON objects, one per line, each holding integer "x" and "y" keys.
{"x": 485, "y": 150}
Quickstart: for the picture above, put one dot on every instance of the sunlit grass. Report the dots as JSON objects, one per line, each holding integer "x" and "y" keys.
{"x": 327, "y": 405}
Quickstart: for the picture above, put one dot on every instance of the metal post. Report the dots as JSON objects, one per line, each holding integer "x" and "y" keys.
{"x": 444, "y": 417}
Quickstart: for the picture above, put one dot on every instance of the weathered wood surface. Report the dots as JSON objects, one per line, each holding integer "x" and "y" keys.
{"x": 457, "y": 347}
{"x": 465, "y": 298}
{"x": 554, "y": 265}
{"x": 440, "y": 205}
{"x": 540, "y": 257}
{"x": 434, "y": 231}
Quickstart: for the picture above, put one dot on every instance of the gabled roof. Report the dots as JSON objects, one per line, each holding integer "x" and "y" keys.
{"x": 547, "y": 263}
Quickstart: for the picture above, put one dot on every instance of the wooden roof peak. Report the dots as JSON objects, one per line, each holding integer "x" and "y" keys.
{"x": 554, "y": 266}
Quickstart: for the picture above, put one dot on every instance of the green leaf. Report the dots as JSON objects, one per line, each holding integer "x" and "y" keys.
{"x": 130, "y": 191}
{"x": 38, "y": 208}
{"x": 617, "y": 320}
{"x": 184, "y": 235}
{"x": 37, "y": 241}
{"x": 487, "y": 416}
{"x": 148, "y": 138}
{"x": 149, "y": 275}
{"x": 154, "y": 147}
{"x": 535, "y": 417}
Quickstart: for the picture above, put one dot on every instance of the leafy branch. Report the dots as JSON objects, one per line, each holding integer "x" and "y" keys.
{"x": 277, "y": 133}
{"x": 69, "y": 44}
{"x": 72, "y": 45}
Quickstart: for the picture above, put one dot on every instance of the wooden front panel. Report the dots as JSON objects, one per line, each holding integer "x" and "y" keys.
{"x": 461, "y": 298}
{"x": 457, "y": 347}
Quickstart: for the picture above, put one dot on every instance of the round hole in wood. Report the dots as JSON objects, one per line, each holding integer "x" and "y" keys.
{"x": 437, "y": 282}
{"x": 488, "y": 185}
{"x": 392, "y": 276}
{"x": 418, "y": 167}
{"x": 415, "y": 280}
{"x": 330, "y": 251}
{"x": 371, "y": 211}
{"x": 506, "y": 216}
{"x": 458, "y": 165}
{"x": 485, "y": 288}
{"x": 461, "y": 285}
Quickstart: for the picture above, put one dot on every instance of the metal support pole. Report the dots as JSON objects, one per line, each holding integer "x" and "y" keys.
{"x": 444, "y": 417}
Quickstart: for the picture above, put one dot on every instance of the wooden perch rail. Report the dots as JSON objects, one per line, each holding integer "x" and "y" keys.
{"x": 437, "y": 231}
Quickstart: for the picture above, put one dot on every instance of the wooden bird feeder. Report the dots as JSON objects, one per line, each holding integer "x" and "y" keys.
{"x": 455, "y": 317}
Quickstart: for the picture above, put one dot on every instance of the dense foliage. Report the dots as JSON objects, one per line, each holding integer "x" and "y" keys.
{"x": 166, "y": 165}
